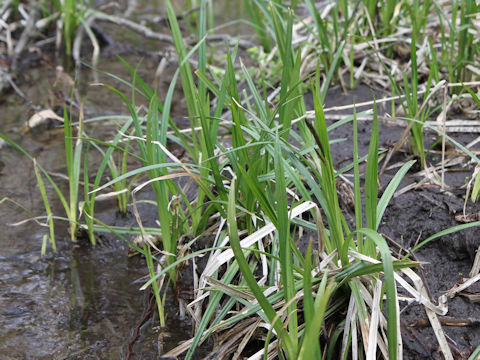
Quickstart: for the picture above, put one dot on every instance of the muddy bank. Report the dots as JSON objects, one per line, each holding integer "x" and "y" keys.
{"x": 83, "y": 302}
{"x": 418, "y": 215}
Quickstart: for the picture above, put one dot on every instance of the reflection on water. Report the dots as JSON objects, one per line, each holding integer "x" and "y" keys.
{"x": 56, "y": 307}
{"x": 82, "y": 302}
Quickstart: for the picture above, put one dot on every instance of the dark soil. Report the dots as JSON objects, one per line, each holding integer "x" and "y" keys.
{"x": 413, "y": 217}
{"x": 419, "y": 214}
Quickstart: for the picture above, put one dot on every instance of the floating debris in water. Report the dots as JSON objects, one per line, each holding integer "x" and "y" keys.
{"x": 46, "y": 118}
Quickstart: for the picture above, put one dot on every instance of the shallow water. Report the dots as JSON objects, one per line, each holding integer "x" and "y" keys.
{"x": 82, "y": 302}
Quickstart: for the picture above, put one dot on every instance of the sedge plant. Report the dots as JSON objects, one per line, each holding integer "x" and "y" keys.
{"x": 263, "y": 164}
{"x": 296, "y": 288}
{"x": 257, "y": 195}
{"x": 458, "y": 44}
{"x": 73, "y": 14}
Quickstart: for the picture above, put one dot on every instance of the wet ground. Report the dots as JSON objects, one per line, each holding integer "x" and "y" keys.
{"x": 413, "y": 217}
{"x": 83, "y": 302}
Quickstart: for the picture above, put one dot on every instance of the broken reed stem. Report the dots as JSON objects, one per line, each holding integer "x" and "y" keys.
{"x": 310, "y": 114}
{"x": 444, "y": 130}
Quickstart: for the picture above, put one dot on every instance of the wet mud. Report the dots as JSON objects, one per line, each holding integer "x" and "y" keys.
{"x": 84, "y": 302}
{"x": 414, "y": 216}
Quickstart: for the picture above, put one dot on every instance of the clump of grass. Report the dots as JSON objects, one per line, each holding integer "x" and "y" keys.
{"x": 150, "y": 143}
{"x": 278, "y": 299}
{"x": 73, "y": 154}
{"x": 256, "y": 12}
{"x": 73, "y": 20}
{"x": 73, "y": 15}
{"x": 382, "y": 14}
{"x": 258, "y": 195}
{"x": 458, "y": 48}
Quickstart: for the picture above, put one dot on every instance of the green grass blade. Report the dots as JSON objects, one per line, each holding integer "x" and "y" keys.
{"x": 247, "y": 273}
{"x": 312, "y": 333}
{"x": 283, "y": 231}
{"x": 390, "y": 191}
{"x": 156, "y": 290}
{"x": 446, "y": 232}
{"x": 42, "y": 169}
{"x": 48, "y": 210}
{"x": 356, "y": 181}
{"x": 143, "y": 169}
{"x": 371, "y": 178}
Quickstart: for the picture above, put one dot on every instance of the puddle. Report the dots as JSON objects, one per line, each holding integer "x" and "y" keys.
{"x": 82, "y": 302}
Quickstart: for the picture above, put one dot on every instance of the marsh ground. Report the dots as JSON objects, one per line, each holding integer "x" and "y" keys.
{"x": 83, "y": 302}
